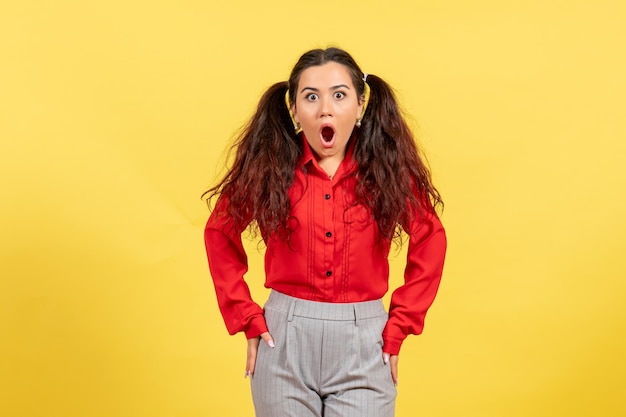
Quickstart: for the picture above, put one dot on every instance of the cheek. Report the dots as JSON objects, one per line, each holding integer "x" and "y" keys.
{"x": 304, "y": 116}
{"x": 348, "y": 121}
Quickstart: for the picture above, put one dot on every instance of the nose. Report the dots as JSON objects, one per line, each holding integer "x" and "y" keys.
{"x": 326, "y": 107}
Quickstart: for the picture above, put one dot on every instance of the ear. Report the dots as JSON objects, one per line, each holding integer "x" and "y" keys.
{"x": 360, "y": 108}
{"x": 294, "y": 113}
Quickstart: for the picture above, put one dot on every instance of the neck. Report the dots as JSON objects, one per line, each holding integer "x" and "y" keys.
{"x": 330, "y": 165}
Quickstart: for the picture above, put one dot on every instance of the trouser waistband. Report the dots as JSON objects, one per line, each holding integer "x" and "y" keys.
{"x": 298, "y": 307}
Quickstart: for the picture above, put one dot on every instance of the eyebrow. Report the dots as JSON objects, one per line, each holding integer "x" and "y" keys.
{"x": 336, "y": 87}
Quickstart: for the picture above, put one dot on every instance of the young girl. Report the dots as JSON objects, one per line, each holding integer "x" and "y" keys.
{"x": 328, "y": 172}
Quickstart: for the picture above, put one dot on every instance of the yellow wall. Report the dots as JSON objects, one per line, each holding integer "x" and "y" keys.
{"x": 114, "y": 117}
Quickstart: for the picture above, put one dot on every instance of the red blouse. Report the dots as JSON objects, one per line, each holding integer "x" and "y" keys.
{"x": 334, "y": 255}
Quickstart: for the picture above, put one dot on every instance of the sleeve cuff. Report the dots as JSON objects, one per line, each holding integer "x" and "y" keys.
{"x": 255, "y": 327}
{"x": 392, "y": 346}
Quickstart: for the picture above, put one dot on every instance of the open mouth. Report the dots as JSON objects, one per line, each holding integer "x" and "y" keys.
{"x": 328, "y": 133}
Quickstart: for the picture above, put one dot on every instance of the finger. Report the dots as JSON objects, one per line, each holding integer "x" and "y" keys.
{"x": 393, "y": 360}
{"x": 267, "y": 338}
{"x": 253, "y": 345}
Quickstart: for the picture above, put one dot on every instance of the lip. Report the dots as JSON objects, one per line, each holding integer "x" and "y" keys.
{"x": 327, "y": 143}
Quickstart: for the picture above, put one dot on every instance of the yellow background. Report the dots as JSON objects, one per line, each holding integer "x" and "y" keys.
{"x": 114, "y": 117}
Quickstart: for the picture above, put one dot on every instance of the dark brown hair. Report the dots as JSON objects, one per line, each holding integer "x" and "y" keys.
{"x": 392, "y": 179}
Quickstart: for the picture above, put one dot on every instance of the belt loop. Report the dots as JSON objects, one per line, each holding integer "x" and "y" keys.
{"x": 356, "y": 315}
{"x": 292, "y": 307}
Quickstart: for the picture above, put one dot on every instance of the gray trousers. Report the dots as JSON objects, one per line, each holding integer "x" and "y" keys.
{"x": 327, "y": 361}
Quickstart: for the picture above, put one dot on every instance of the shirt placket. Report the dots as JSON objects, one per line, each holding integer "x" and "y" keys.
{"x": 327, "y": 271}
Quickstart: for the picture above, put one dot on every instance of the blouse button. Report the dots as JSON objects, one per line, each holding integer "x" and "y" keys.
{"x": 327, "y": 196}
{"x": 328, "y": 273}
{"x": 328, "y": 234}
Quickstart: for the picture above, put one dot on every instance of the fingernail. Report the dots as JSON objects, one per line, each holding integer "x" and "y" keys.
{"x": 271, "y": 343}
{"x": 246, "y": 374}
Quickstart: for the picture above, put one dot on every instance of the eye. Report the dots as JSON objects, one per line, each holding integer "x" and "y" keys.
{"x": 339, "y": 95}
{"x": 312, "y": 97}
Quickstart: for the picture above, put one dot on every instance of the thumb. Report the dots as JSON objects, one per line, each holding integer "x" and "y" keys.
{"x": 267, "y": 338}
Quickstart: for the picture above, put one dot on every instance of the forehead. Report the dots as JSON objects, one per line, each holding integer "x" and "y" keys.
{"x": 327, "y": 75}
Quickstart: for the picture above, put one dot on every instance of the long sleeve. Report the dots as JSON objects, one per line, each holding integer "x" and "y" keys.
{"x": 410, "y": 302}
{"x": 228, "y": 264}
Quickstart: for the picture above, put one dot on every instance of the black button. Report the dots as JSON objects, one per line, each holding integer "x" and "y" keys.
{"x": 328, "y": 273}
{"x": 328, "y": 234}
{"x": 327, "y": 196}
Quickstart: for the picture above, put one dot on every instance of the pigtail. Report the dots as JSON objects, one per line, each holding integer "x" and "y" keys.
{"x": 266, "y": 153}
{"x": 393, "y": 181}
